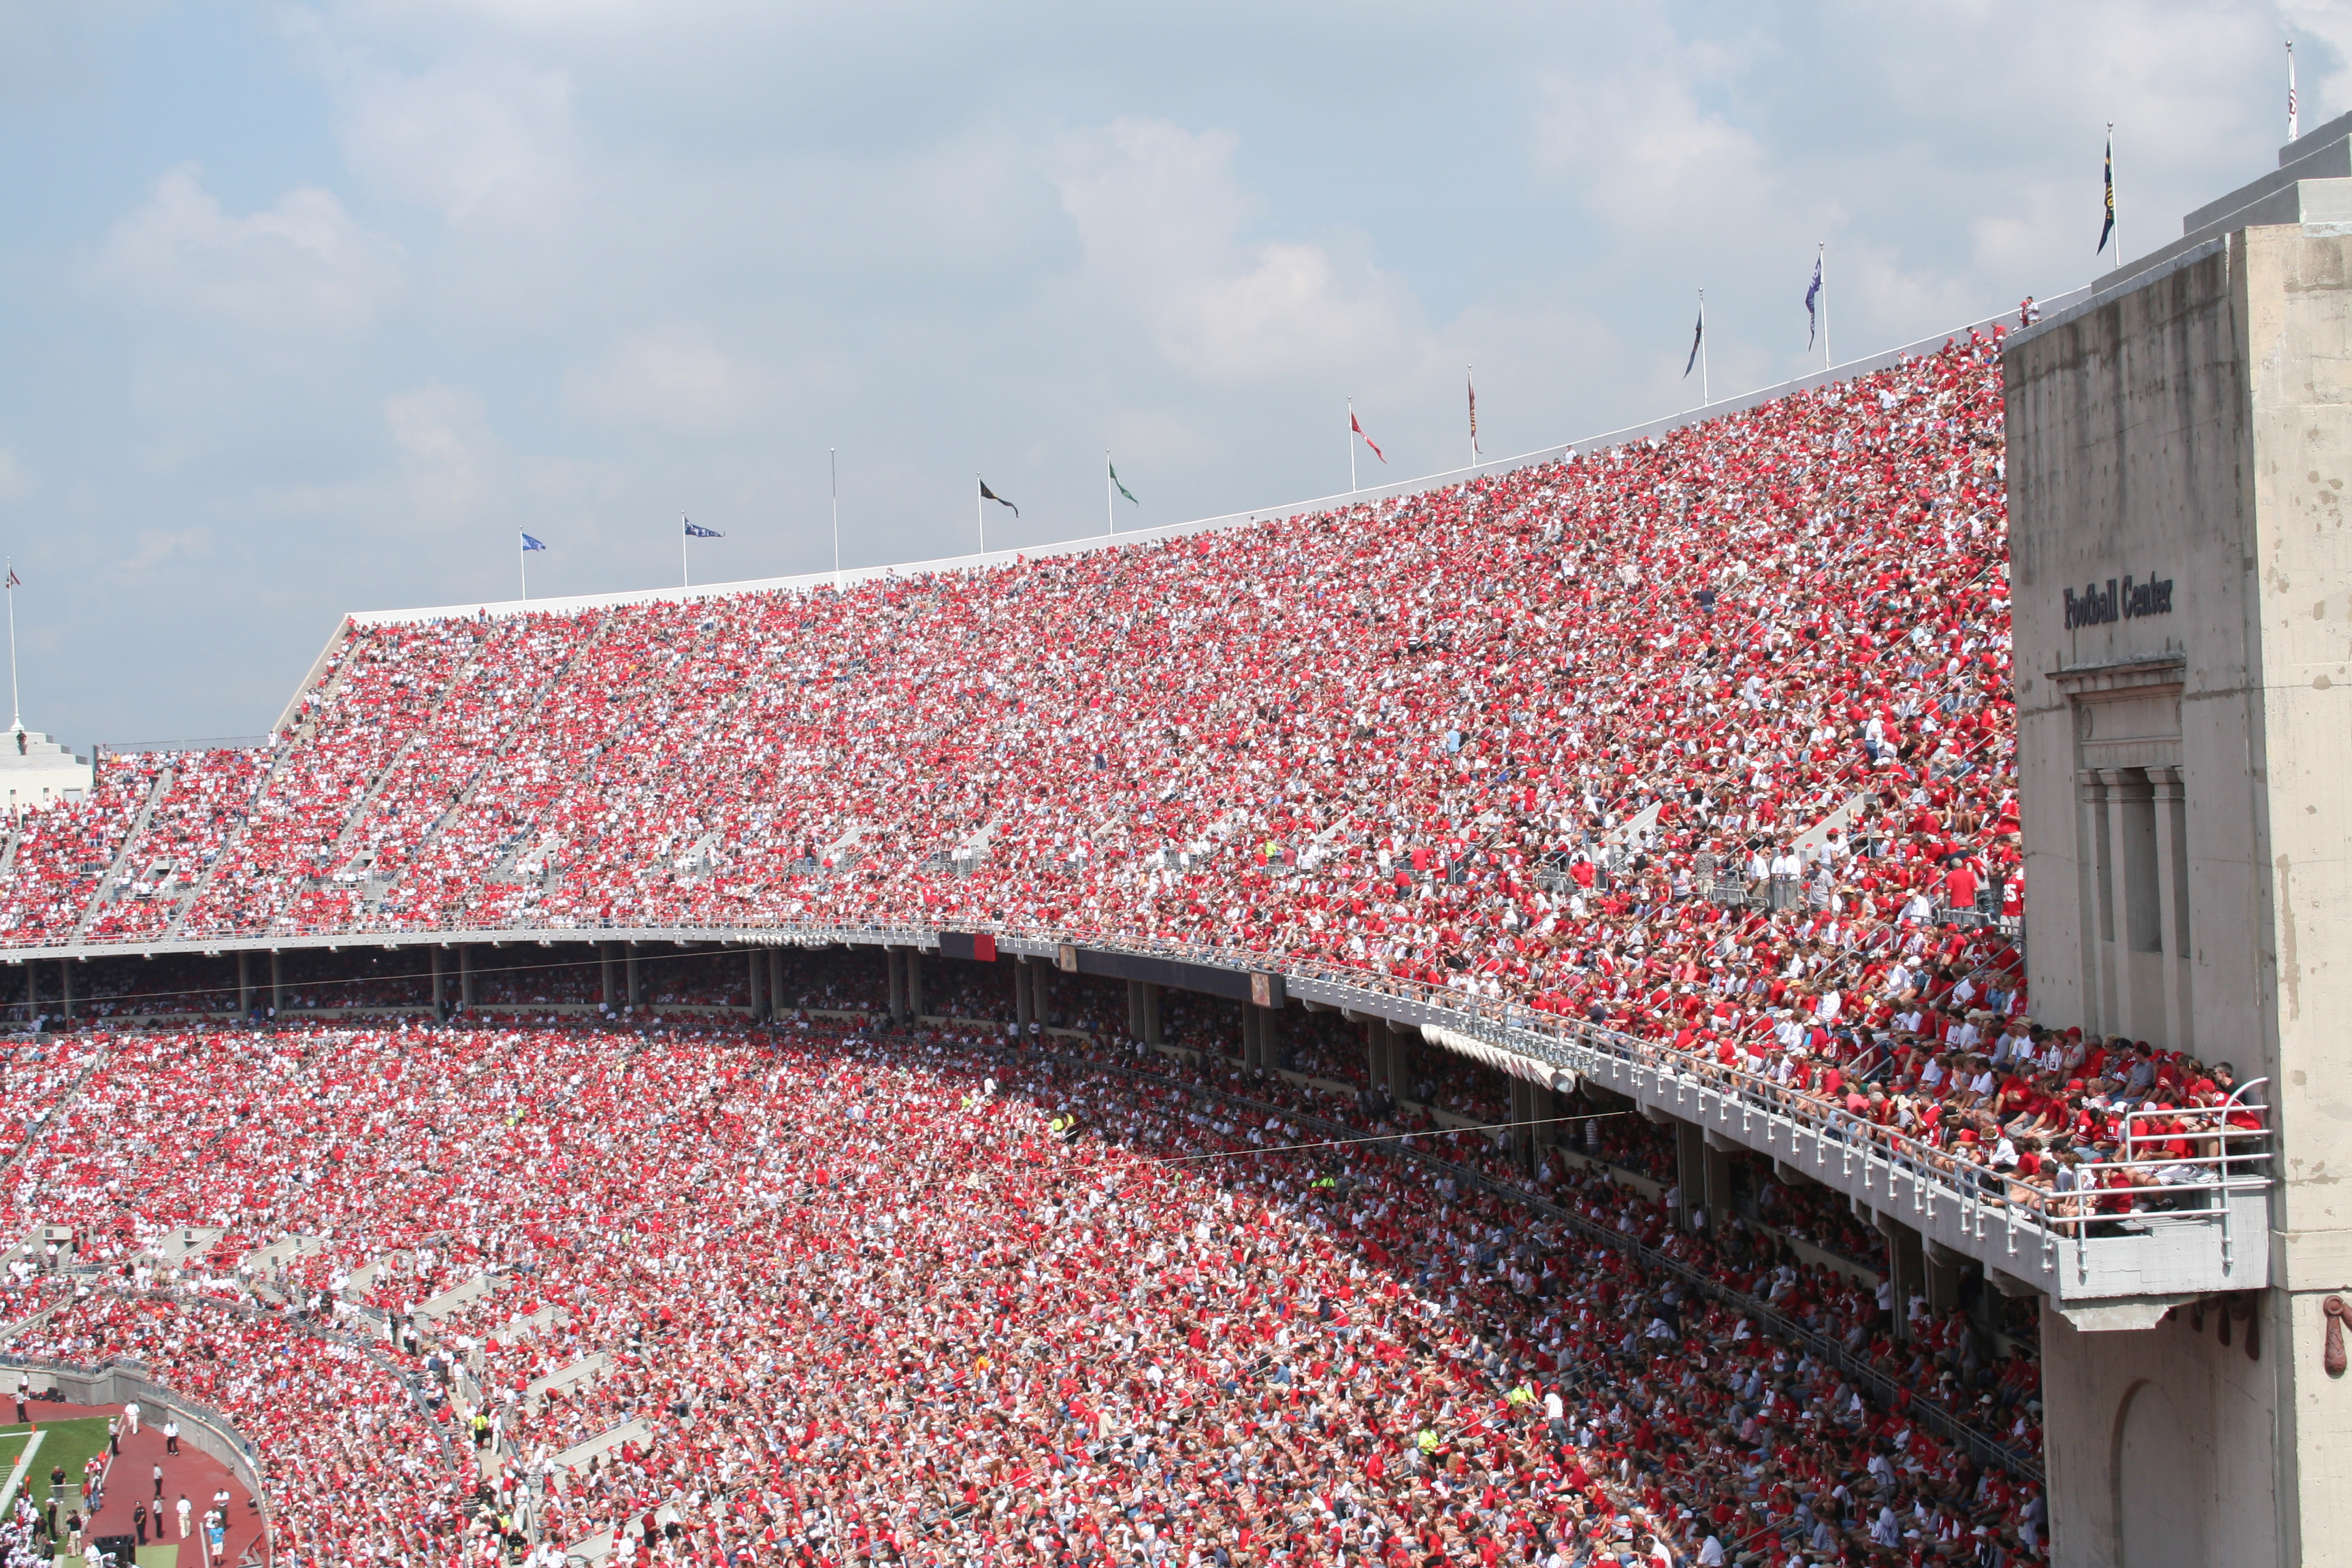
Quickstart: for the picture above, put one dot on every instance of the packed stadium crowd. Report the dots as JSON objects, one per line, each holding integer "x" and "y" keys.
{"x": 1707, "y": 739}
{"x": 921, "y": 1298}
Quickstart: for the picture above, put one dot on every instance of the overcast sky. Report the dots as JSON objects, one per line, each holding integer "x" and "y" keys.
{"x": 314, "y": 308}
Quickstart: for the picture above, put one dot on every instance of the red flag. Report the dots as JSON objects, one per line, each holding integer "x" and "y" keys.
{"x": 17, "y": 582}
{"x": 1359, "y": 429}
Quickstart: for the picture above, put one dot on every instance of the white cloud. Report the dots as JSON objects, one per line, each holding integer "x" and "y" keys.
{"x": 673, "y": 378}
{"x": 300, "y": 266}
{"x": 17, "y": 479}
{"x": 446, "y": 452}
{"x": 468, "y": 137}
{"x": 160, "y": 546}
{"x": 1159, "y": 216}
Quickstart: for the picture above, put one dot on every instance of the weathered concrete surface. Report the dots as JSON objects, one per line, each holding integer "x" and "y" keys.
{"x": 2197, "y": 428}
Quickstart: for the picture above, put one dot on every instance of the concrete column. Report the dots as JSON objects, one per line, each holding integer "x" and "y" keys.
{"x": 1717, "y": 1169}
{"x": 65, "y": 989}
{"x": 775, "y": 981}
{"x": 1376, "y": 1054}
{"x": 629, "y": 975}
{"x": 1152, "y": 1035}
{"x": 1135, "y": 1009}
{"x": 440, "y": 986}
{"x": 243, "y": 985}
{"x": 1905, "y": 1267}
{"x": 2090, "y": 829}
{"x": 755, "y": 986}
{"x": 277, "y": 982}
{"x": 914, "y": 984}
{"x": 1543, "y": 1106}
{"x": 604, "y": 974}
{"x": 1690, "y": 1170}
{"x": 466, "y": 975}
{"x": 2172, "y": 890}
{"x": 1941, "y": 1268}
{"x": 1022, "y": 1004}
{"x": 2131, "y": 1010}
{"x": 894, "y": 976}
{"x": 1269, "y": 1038}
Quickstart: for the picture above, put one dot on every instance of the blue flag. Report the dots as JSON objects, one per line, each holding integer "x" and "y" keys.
{"x": 694, "y": 531}
{"x": 529, "y": 544}
{"x": 1812, "y": 317}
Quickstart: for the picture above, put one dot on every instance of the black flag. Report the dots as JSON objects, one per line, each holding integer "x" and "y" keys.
{"x": 2108, "y": 227}
{"x": 987, "y": 494}
{"x": 1696, "y": 333}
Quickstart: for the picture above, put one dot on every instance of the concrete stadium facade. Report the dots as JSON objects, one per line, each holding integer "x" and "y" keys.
{"x": 2178, "y": 450}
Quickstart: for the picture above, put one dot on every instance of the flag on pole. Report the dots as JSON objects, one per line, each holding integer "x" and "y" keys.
{"x": 2291, "y": 131}
{"x": 1698, "y": 333}
{"x": 1359, "y": 429}
{"x": 1812, "y": 314}
{"x": 14, "y": 581}
{"x": 1114, "y": 481}
{"x": 1470, "y": 382}
{"x": 2108, "y": 227}
{"x": 987, "y": 494}
{"x": 529, "y": 544}
{"x": 696, "y": 531}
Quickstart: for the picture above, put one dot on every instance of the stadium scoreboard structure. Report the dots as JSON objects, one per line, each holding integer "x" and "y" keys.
{"x": 2180, "y": 449}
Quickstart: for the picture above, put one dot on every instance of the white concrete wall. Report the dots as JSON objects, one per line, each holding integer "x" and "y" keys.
{"x": 2199, "y": 427}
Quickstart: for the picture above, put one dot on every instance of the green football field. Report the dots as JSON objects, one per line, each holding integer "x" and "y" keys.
{"x": 67, "y": 1443}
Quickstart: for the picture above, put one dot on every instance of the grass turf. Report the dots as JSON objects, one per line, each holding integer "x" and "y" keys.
{"x": 68, "y": 1443}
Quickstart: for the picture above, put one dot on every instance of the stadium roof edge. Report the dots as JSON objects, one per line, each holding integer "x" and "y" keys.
{"x": 1366, "y": 497}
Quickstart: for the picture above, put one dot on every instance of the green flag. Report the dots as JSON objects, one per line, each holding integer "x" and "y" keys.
{"x": 1116, "y": 485}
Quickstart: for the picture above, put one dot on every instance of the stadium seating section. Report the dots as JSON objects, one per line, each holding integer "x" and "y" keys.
{"x": 1706, "y": 737}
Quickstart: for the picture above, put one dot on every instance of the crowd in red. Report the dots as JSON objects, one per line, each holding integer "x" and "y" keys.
{"x": 927, "y": 1299}
{"x": 1707, "y": 738}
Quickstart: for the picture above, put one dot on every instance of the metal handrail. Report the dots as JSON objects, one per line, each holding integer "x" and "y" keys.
{"x": 1568, "y": 1045}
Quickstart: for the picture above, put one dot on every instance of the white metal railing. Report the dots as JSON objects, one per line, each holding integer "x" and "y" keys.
{"x": 1877, "y": 1156}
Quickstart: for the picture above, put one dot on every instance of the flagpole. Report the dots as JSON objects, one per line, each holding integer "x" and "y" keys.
{"x": 1705, "y": 396}
{"x": 1351, "y": 446}
{"x": 522, "y": 564}
{"x": 980, "y": 511}
{"x": 684, "y": 573}
{"x": 15, "y": 705}
{"x": 1109, "y": 511}
{"x": 833, "y": 458}
{"x": 1821, "y": 260}
{"x": 1470, "y": 382}
{"x": 2111, "y": 191}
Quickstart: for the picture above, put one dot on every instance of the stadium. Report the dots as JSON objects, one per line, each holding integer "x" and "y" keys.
{"x": 1495, "y": 1020}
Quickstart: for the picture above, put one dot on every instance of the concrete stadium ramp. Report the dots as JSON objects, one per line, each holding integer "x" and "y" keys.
{"x": 188, "y": 1241}
{"x": 530, "y": 1324}
{"x": 286, "y": 1249}
{"x": 587, "y": 1369}
{"x": 636, "y": 1429}
{"x": 458, "y": 1295}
